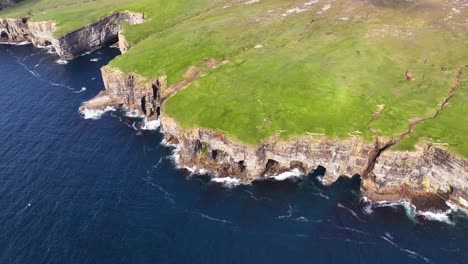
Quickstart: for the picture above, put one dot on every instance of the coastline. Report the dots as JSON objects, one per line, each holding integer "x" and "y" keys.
{"x": 426, "y": 177}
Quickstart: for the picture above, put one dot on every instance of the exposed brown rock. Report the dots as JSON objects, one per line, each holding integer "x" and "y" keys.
{"x": 427, "y": 176}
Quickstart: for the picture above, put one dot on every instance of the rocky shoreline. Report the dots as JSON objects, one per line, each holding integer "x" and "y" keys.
{"x": 427, "y": 177}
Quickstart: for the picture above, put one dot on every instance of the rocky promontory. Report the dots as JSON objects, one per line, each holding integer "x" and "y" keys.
{"x": 72, "y": 44}
{"x": 427, "y": 176}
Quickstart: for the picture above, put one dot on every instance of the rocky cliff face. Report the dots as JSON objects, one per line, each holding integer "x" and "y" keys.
{"x": 427, "y": 176}
{"x": 73, "y": 44}
{"x": 138, "y": 94}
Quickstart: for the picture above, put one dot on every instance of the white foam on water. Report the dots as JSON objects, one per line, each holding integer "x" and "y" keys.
{"x": 133, "y": 114}
{"x": 214, "y": 219}
{"x": 175, "y": 157}
{"x": 295, "y": 173}
{"x": 289, "y": 214}
{"x": 134, "y": 126}
{"x": 320, "y": 194}
{"x": 203, "y": 172}
{"x": 151, "y": 125}
{"x": 157, "y": 164}
{"x": 410, "y": 210}
{"x": 95, "y": 113}
{"x": 367, "y": 209}
{"x": 167, "y": 195}
{"x": 59, "y": 61}
{"x": 307, "y": 220}
{"x": 227, "y": 181}
{"x": 387, "y": 237}
{"x": 16, "y": 44}
{"x": 412, "y": 213}
{"x": 86, "y": 53}
{"x": 81, "y": 90}
{"x": 437, "y": 216}
{"x": 61, "y": 85}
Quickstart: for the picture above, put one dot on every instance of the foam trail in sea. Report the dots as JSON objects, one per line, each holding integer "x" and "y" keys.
{"x": 158, "y": 164}
{"x": 387, "y": 237}
{"x": 289, "y": 213}
{"x": 38, "y": 76}
{"x": 352, "y": 212}
{"x": 81, "y": 90}
{"x": 167, "y": 195}
{"x": 307, "y": 220}
{"x": 214, "y": 219}
{"x": 134, "y": 126}
{"x": 41, "y": 60}
{"x": 61, "y": 85}
{"x": 253, "y": 196}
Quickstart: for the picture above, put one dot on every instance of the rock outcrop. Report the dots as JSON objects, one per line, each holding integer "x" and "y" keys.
{"x": 72, "y": 44}
{"x": 427, "y": 176}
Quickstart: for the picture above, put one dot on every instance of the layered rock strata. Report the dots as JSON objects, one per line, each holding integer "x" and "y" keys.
{"x": 427, "y": 176}
{"x": 72, "y": 44}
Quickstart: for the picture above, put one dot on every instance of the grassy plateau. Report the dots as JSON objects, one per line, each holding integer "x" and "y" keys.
{"x": 296, "y": 67}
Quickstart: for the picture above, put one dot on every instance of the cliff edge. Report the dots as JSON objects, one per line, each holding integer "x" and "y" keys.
{"x": 428, "y": 176}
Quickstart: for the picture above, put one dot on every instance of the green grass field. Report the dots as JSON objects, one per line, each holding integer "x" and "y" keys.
{"x": 293, "y": 67}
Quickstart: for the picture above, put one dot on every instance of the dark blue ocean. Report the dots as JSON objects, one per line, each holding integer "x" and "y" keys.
{"x": 100, "y": 191}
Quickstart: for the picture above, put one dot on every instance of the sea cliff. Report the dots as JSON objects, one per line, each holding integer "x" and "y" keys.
{"x": 72, "y": 44}
{"x": 427, "y": 176}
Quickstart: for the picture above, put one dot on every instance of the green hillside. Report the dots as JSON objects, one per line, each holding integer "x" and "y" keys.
{"x": 293, "y": 67}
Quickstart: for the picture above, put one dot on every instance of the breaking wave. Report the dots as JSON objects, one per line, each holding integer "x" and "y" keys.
{"x": 411, "y": 211}
{"x": 227, "y": 181}
{"x": 151, "y": 125}
{"x": 60, "y": 61}
{"x": 295, "y": 173}
{"x": 443, "y": 217}
{"x": 95, "y": 113}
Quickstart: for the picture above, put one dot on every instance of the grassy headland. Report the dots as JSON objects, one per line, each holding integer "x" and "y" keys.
{"x": 297, "y": 66}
